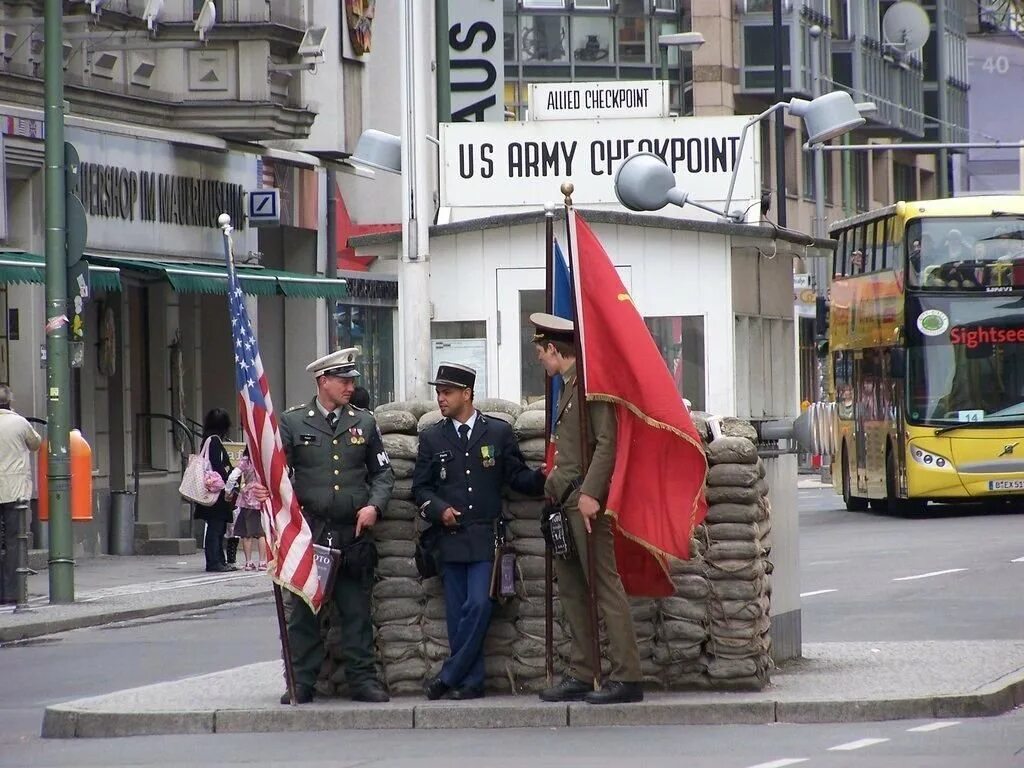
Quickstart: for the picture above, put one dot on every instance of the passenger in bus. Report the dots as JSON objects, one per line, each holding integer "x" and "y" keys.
{"x": 845, "y": 401}
{"x": 857, "y": 262}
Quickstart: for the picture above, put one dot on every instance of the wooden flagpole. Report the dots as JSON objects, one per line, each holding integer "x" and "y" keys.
{"x": 289, "y": 673}
{"x": 585, "y": 455}
{"x": 549, "y": 305}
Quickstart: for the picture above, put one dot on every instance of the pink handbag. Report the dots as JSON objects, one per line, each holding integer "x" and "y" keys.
{"x": 194, "y": 486}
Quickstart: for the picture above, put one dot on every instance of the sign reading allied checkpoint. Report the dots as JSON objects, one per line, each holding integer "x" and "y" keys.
{"x": 523, "y": 163}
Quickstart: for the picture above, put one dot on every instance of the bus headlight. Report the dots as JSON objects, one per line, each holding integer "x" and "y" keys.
{"x": 930, "y": 460}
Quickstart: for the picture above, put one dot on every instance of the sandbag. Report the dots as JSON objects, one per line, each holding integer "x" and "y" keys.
{"x": 494, "y": 405}
{"x": 394, "y": 422}
{"x": 397, "y": 566}
{"x": 530, "y": 424}
{"x": 399, "y": 509}
{"x": 534, "y": 448}
{"x": 401, "y": 446}
{"x": 731, "y": 450}
{"x": 397, "y": 587}
{"x": 733, "y": 427}
{"x": 732, "y": 495}
{"x": 416, "y": 407}
{"x": 741, "y": 475}
{"x": 735, "y": 513}
{"x": 428, "y": 420}
{"x": 733, "y": 532}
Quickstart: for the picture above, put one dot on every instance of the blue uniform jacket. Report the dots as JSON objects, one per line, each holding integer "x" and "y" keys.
{"x": 471, "y": 482}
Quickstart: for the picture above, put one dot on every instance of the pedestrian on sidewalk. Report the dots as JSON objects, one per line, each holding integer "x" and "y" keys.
{"x": 220, "y": 513}
{"x": 241, "y": 485}
{"x": 343, "y": 479}
{"x": 465, "y": 450}
{"x": 360, "y": 398}
{"x": 17, "y": 441}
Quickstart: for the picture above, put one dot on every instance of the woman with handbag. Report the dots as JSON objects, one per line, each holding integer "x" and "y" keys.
{"x": 220, "y": 513}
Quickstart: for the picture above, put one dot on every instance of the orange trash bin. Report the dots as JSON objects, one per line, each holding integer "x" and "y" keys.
{"x": 81, "y": 478}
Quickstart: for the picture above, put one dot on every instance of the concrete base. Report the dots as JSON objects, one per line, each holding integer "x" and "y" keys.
{"x": 834, "y": 682}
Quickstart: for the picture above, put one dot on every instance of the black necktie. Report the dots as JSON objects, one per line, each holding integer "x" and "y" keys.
{"x": 464, "y": 436}
{"x": 332, "y": 419}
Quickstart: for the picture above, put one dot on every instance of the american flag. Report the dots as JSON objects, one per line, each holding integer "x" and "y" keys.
{"x": 291, "y": 542}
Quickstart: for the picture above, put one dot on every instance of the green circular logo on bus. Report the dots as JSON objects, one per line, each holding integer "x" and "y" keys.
{"x": 932, "y": 322}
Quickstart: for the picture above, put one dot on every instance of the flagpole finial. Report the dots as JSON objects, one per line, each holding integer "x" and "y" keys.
{"x": 549, "y": 210}
{"x": 567, "y": 189}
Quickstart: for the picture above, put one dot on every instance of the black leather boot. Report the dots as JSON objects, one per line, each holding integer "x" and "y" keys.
{"x": 616, "y": 692}
{"x": 569, "y": 689}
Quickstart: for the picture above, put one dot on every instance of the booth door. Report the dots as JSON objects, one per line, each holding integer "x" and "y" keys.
{"x": 520, "y": 293}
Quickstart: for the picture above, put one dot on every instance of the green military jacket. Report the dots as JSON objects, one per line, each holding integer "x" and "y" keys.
{"x": 336, "y": 472}
{"x": 568, "y": 454}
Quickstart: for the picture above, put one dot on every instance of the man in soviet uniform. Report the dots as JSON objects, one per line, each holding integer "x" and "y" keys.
{"x": 583, "y": 497}
{"x": 343, "y": 480}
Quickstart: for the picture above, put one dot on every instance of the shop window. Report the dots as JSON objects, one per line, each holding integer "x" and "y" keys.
{"x": 591, "y": 39}
{"x": 139, "y": 376}
{"x": 592, "y": 5}
{"x": 511, "y": 54}
{"x": 681, "y": 343}
{"x": 860, "y": 180}
{"x": 792, "y": 149}
{"x": 633, "y": 32}
{"x": 463, "y": 342}
{"x": 543, "y": 38}
{"x": 372, "y": 330}
{"x": 670, "y": 6}
{"x": 840, "y": 13}
{"x": 531, "y": 4}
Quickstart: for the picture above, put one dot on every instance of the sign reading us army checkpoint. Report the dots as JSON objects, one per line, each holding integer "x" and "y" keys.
{"x": 498, "y": 165}
{"x": 590, "y": 101}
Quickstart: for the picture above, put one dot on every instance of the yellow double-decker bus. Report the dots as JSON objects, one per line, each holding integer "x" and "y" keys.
{"x": 926, "y": 343}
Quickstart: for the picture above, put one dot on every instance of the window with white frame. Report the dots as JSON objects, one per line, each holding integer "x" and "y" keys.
{"x": 541, "y": 4}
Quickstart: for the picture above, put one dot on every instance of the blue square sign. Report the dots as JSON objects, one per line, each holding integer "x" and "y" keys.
{"x": 264, "y": 206}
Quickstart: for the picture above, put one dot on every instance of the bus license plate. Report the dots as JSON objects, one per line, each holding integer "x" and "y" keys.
{"x": 1006, "y": 485}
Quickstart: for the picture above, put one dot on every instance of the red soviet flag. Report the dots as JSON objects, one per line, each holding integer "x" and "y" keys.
{"x": 657, "y": 488}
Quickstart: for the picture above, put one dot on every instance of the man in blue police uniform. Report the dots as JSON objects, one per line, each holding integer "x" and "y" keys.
{"x": 343, "y": 479}
{"x": 463, "y": 462}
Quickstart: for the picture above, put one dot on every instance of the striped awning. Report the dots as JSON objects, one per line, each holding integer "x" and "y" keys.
{"x": 21, "y": 267}
{"x": 195, "y": 277}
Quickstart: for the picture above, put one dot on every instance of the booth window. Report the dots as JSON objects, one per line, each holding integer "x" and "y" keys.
{"x": 681, "y": 343}
{"x": 372, "y": 330}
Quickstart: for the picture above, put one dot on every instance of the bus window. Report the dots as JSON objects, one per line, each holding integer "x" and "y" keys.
{"x": 842, "y": 257}
{"x": 884, "y": 246}
{"x": 856, "y": 235}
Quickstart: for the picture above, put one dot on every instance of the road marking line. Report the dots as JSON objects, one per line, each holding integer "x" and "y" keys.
{"x": 927, "y": 575}
{"x": 933, "y": 726}
{"x": 859, "y": 744}
{"x": 817, "y": 592}
{"x": 781, "y": 763}
{"x": 1018, "y": 560}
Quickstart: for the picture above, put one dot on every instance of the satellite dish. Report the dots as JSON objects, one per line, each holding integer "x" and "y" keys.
{"x": 906, "y": 26}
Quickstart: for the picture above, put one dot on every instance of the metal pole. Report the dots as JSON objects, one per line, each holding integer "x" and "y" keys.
{"x": 22, "y": 572}
{"x": 780, "y": 119}
{"x": 549, "y": 566}
{"x": 331, "y": 267}
{"x": 818, "y": 228}
{"x": 417, "y": 205}
{"x": 58, "y": 373}
{"x": 942, "y": 73}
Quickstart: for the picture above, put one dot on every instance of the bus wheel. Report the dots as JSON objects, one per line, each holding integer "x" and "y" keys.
{"x": 902, "y": 507}
{"x": 853, "y": 503}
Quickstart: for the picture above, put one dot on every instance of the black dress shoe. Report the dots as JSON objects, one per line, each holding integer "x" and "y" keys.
{"x": 469, "y": 692}
{"x": 371, "y": 691}
{"x": 436, "y": 688}
{"x": 303, "y": 695}
{"x": 616, "y": 692}
{"x": 221, "y": 569}
{"x": 570, "y": 689}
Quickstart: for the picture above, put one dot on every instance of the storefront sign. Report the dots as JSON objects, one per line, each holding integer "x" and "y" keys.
{"x": 593, "y": 101}
{"x": 162, "y": 197}
{"x": 476, "y": 60}
{"x": 523, "y": 163}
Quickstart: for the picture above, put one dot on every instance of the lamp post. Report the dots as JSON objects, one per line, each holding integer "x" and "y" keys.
{"x": 644, "y": 183}
{"x": 682, "y": 41}
{"x": 58, "y": 372}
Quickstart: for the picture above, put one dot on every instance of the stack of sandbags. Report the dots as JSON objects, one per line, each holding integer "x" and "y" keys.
{"x": 736, "y": 526}
{"x": 681, "y": 630}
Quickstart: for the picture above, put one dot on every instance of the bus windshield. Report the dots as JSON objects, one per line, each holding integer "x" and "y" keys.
{"x": 965, "y": 359}
{"x": 969, "y": 253}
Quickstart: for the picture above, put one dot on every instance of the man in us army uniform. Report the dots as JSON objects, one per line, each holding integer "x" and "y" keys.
{"x": 343, "y": 480}
{"x": 463, "y": 463}
{"x": 582, "y": 498}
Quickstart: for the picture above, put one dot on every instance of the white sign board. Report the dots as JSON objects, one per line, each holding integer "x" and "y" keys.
{"x": 471, "y": 352}
{"x": 523, "y": 163}
{"x": 593, "y": 101}
{"x": 476, "y": 60}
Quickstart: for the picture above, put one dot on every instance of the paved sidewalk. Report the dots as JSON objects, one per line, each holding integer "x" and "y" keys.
{"x": 834, "y": 682}
{"x": 811, "y": 481}
{"x": 110, "y": 588}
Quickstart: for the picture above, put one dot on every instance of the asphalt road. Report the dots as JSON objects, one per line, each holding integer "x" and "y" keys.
{"x": 858, "y": 555}
{"x": 950, "y": 575}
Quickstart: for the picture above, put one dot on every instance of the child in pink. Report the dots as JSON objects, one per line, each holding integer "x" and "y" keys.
{"x": 248, "y": 526}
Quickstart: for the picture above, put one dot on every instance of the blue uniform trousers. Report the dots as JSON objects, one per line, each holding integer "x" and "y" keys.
{"x": 468, "y": 607}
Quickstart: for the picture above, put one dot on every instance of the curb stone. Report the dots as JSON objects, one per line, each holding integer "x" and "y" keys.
{"x": 45, "y": 627}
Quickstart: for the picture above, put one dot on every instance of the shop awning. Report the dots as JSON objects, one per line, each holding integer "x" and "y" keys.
{"x": 21, "y": 267}
{"x": 210, "y": 278}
